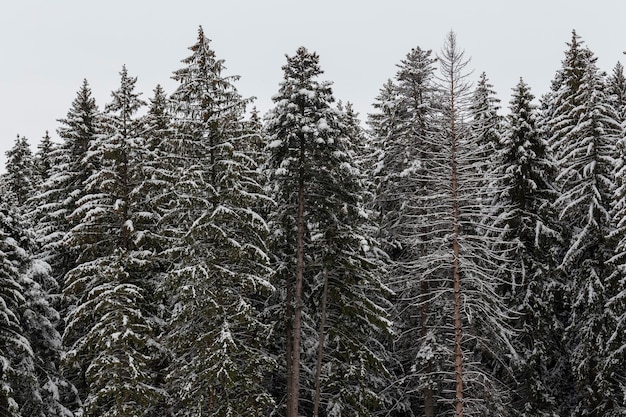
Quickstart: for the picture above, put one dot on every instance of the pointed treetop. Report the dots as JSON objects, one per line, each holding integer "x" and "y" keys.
{"x": 124, "y": 98}
{"x": 303, "y": 65}
{"x": 201, "y": 36}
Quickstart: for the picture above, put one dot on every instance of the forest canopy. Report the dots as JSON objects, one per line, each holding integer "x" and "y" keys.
{"x": 447, "y": 254}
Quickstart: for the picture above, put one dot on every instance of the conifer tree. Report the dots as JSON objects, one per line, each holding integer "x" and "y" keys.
{"x": 219, "y": 274}
{"x": 524, "y": 207}
{"x": 30, "y": 381}
{"x": 617, "y": 91}
{"x": 61, "y": 190}
{"x": 486, "y": 123}
{"x": 435, "y": 165}
{"x": 584, "y": 132}
{"x": 19, "y": 178}
{"x": 402, "y": 138}
{"x": 15, "y": 345}
{"x": 43, "y": 160}
{"x": 109, "y": 331}
{"x": 462, "y": 265}
{"x": 320, "y": 247}
{"x": 153, "y": 180}
{"x": 400, "y": 130}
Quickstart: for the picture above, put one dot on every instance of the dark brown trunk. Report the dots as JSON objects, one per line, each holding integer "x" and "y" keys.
{"x": 456, "y": 276}
{"x": 289, "y": 336}
{"x": 293, "y": 390}
{"x": 320, "y": 350}
{"x": 427, "y": 392}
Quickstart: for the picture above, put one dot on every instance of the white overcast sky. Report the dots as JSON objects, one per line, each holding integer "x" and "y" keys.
{"x": 48, "y": 46}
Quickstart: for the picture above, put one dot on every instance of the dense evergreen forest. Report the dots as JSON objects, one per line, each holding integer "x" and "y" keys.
{"x": 183, "y": 255}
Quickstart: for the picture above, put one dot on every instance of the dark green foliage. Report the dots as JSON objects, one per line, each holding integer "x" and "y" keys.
{"x": 109, "y": 331}
{"x": 43, "y": 161}
{"x": 402, "y": 140}
{"x": 527, "y": 171}
{"x": 30, "y": 380}
{"x": 584, "y": 130}
{"x": 218, "y": 280}
{"x": 19, "y": 179}
{"x": 60, "y": 192}
{"x": 313, "y": 147}
{"x": 178, "y": 230}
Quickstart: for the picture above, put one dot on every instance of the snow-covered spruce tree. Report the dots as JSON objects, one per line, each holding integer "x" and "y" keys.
{"x": 15, "y": 347}
{"x": 31, "y": 385}
{"x": 220, "y": 271}
{"x": 402, "y": 132}
{"x": 43, "y": 160}
{"x": 350, "y": 367}
{"x": 404, "y": 115}
{"x": 584, "y": 132}
{"x": 152, "y": 203}
{"x": 109, "y": 334}
{"x": 615, "y": 357}
{"x": 526, "y": 169}
{"x": 486, "y": 124}
{"x": 320, "y": 248}
{"x": 617, "y": 91}
{"x": 256, "y": 141}
{"x": 57, "y": 196}
{"x": 20, "y": 178}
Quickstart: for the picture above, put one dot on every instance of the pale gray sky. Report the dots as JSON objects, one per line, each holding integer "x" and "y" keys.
{"x": 48, "y": 46}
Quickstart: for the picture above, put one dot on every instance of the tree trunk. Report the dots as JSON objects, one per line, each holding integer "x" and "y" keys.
{"x": 458, "y": 325}
{"x": 289, "y": 337}
{"x": 427, "y": 392}
{"x": 293, "y": 390}
{"x": 320, "y": 350}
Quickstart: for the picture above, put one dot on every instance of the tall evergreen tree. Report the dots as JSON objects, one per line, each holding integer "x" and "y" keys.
{"x": 617, "y": 91}
{"x": 486, "y": 124}
{"x": 524, "y": 205}
{"x": 402, "y": 133}
{"x": 62, "y": 189}
{"x": 400, "y": 130}
{"x": 109, "y": 332}
{"x": 219, "y": 275}
{"x": 31, "y": 384}
{"x": 43, "y": 160}
{"x": 15, "y": 346}
{"x": 584, "y": 129}
{"x": 320, "y": 248}
{"x": 20, "y": 178}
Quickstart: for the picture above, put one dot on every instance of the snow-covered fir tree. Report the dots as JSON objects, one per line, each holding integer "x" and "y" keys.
{"x": 526, "y": 170}
{"x": 584, "y": 133}
{"x": 43, "y": 159}
{"x": 486, "y": 124}
{"x": 219, "y": 278}
{"x": 59, "y": 193}
{"x": 109, "y": 332}
{"x": 401, "y": 132}
{"x": 452, "y": 325}
{"x": 14, "y": 379}
{"x": 617, "y": 90}
{"x": 329, "y": 287}
{"x": 31, "y": 383}
{"x": 405, "y": 112}
{"x": 19, "y": 178}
